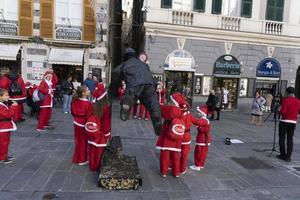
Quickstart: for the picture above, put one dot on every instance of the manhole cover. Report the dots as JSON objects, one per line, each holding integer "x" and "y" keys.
{"x": 252, "y": 163}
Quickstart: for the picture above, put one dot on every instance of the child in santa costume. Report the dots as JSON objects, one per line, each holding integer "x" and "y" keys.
{"x": 45, "y": 88}
{"x": 6, "y": 125}
{"x": 169, "y": 141}
{"x": 81, "y": 109}
{"x": 95, "y": 130}
{"x": 161, "y": 93}
{"x": 144, "y": 113}
{"x": 203, "y": 139}
{"x": 5, "y": 83}
{"x": 122, "y": 90}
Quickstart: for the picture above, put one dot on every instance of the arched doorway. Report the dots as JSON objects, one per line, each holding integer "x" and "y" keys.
{"x": 298, "y": 83}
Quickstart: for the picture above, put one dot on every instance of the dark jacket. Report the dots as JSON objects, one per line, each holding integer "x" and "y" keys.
{"x": 67, "y": 88}
{"x": 211, "y": 102}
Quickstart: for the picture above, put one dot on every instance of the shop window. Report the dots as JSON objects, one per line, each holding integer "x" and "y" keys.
{"x": 197, "y": 86}
{"x": 166, "y": 3}
{"x": 206, "y": 85}
{"x": 216, "y": 7}
{"x": 246, "y": 10}
{"x": 199, "y": 5}
{"x": 274, "y": 10}
{"x": 243, "y": 87}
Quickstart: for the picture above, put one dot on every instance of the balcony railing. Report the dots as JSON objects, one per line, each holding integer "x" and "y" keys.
{"x": 182, "y": 18}
{"x": 231, "y": 23}
{"x": 274, "y": 28}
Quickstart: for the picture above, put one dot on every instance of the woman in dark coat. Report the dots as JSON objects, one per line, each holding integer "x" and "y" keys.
{"x": 211, "y": 104}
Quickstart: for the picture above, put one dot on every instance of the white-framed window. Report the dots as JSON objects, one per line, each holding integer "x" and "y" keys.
{"x": 69, "y": 12}
{"x": 9, "y": 10}
{"x": 182, "y": 5}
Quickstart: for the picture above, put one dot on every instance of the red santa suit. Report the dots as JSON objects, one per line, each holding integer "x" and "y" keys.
{"x": 203, "y": 139}
{"x": 45, "y": 87}
{"x": 6, "y": 126}
{"x": 161, "y": 95}
{"x": 121, "y": 92}
{"x": 81, "y": 109}
{"x": 169, "y": 141}
{"x": 5, "y": 83}
{"x": 144, "y": 113}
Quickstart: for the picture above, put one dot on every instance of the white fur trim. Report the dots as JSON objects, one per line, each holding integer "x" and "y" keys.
{"x": 78, "y": 124}
{"x": 203, "y": 144}
{"x": 186, "y": 143}
{"x": 14, "y": 128}
{"x": 108, "y": 134}
{"x": 96, "y": 144}
{"x": 200, "y": 111}
{"x": 4, "y": 105}
{"x": 83, "y": 99}
{"x": 176, "y": 132}
{"x": 173, "y": 100}
{"x": 17, "y": 99}
{"x": 288, "y": 121}
{"x": 168, "y": 148}
{"x": 103, "y": 95}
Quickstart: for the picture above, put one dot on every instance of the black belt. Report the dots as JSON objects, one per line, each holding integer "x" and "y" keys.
{"x": 5, "y": 120}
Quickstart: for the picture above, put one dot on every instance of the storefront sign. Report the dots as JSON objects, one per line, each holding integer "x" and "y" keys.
{"x": 177, "y": 62}
{"x": 227, "y": 65}
{"x": 68, "y": 33}
{"x": 8, "y": 29}
{"x": 268, "y": 67}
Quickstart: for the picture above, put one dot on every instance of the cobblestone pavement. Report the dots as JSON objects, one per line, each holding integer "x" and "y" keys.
{"x": 238, "y": 171}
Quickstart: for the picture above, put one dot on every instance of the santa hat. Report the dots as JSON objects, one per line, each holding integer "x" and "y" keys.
{"x": 178, "y": 100}
{"x": 47, "y": 73}
{"x": 99, "y": 93}
{"x": 28, "y": 85}
{"x": 203, "y": 110}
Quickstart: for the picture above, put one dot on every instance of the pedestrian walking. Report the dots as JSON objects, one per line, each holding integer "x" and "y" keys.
{"x": 219, "y": 100}
{"x": 289, "y": 111}
{"x": 203, "y": 140}
{"x": 256, "y": 109}
{"x": 225, "y": 97}
{"x": 211, "y": 104}
{"x": 45, "y": 88}
{"x": 269, "y": 99}
{"x": 97, "y": 139}
{"x": 67, "y": 90}
{"x": 91, "y": 84}
{"x": 169, "y": 141}
{"x": 81, "y": 109}
{"x": 6, "y": 125}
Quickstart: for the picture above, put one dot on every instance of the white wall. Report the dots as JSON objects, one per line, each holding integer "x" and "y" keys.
{"x": 9, "y": 9}
{"x": 294, "y": 14}
{"x": 69, "y": 9}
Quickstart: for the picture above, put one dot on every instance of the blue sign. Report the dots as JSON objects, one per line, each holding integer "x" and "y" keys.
{"x": 269, "y": 67}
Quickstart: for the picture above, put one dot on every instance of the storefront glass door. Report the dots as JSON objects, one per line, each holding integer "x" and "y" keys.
{"x": 232, "y": 86}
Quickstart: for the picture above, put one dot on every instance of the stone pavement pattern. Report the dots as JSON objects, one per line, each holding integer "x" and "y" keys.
{"x": 43, "y": 164}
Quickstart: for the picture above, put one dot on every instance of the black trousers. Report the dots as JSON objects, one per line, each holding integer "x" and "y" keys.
{"x": 286, "y": 130}
{"x": 148, "y": 96}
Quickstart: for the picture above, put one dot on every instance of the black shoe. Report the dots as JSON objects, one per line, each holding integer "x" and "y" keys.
{"x": 10, "y": 158}
{"x": 288, "y": 159}
{"x": 7, "y": 161}
{"x": 281, "y": 157}
{"x": 157, "y": 128}
{"x": 218, "y": 119}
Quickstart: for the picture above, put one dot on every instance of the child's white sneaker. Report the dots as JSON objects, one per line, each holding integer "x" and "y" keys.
{"x": 195, "y": 168}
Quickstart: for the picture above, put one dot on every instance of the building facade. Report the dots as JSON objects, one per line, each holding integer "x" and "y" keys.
{"x": 243, "y": 45}
{"x": 68, "y": 36}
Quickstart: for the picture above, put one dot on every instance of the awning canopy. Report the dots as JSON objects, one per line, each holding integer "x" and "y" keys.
{"x": 66, "y": 56}
{"x": 9, "y": 51}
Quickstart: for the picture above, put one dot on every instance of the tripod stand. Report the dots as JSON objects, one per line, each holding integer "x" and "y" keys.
{"x": 275, "y": 130}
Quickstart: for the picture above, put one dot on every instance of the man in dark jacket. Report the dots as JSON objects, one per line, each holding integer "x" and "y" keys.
{"x": 139, "y": 85}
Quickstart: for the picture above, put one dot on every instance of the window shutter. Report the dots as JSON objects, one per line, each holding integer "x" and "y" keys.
{"x": 89, "y": 22}
{"x": 216, "y": 6}
{"x": 246, "y": 8}
{"x": 199, "y": 5}
{"x": 46, "y": 18}
{"x": 166, "y": 3}
{"x": 26, "y": 17}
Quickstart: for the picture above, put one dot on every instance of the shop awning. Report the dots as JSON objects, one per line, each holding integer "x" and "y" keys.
{"x": 267, "y": 79}
{"x": 66, "y": 56}
{"x": 180, "y": 69}
{"x": 9, "y": 51}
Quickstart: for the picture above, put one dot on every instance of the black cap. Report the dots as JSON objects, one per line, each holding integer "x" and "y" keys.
{"x": 290, "y": 90}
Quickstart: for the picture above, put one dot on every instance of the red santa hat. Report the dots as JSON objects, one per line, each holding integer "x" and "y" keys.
{"x": 28, "y": 85}
{"x": 47, "y": 73}
{"x": 99, "y": 93}
{"x": 178, "y": 100}
{"x": 203, "y": 110}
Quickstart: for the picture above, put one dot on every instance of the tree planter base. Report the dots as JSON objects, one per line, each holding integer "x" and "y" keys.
{"x": 118, "y": 172}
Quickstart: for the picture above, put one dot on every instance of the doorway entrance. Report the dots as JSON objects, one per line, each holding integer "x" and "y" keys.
{"x": 298, "y": 83}
{"x": 63, "y": 71}
{"x": 232, "y": 86}
{"x": 179, "y": 81}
